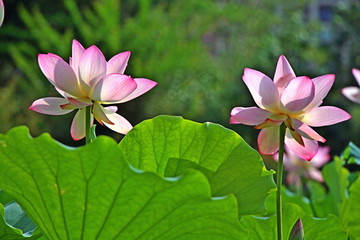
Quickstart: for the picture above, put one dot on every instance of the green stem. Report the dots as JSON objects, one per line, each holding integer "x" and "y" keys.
{"x": 279, "y": 175}
{"x": 88, "y": 124}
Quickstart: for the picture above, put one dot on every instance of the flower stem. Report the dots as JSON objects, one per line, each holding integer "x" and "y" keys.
{"x": 279, "y": 176}
{"x": 88, "y": 124}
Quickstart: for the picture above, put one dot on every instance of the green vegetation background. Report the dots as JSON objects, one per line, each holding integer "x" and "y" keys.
{"x": 196, "y": 51}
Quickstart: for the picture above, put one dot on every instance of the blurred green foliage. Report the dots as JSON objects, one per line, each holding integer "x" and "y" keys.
{"x": 196, "y": 50}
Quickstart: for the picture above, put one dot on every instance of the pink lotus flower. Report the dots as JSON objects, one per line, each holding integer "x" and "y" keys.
{"x": 353, "y": 93}
{"x": 89, "y": 80}
{"x": 2, "y": 12}
{"x": 292, "y": 100}
{"x": 299, "y": 168}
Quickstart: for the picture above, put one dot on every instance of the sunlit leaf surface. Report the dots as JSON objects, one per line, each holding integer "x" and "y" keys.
{"x": 91, "y": 193}
{"x": 169, "y": 145}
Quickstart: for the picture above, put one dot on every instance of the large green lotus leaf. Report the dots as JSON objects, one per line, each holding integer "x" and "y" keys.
{"x": 169, "y": 145}
{"x": 92, "y": 193}
{"x": 323, "y": 228}
{"x": 5, "y": 198}
{"x": 350, "y": 211}
{"x": 8, "y": 232}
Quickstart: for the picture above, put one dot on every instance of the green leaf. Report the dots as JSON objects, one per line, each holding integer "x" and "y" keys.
{"x": 287, "y": 197}
{"x": 322, "y": 204}
{"x": 355, "y": 152}
{"x": 314, "y": 228}
{"x": 12, "y": 233}
{"x": 16, "y": 217}
{"x": 91, "y": 193}
{"x": 5, "y": 198}
{"x": 346, "y": 153}
{"x": 169, "y": 145}
{"x": 336, "y": 178}
{"x": 264, "y": 228}
{"x": 350, "y": 211}
{"x": 323, "y": 228}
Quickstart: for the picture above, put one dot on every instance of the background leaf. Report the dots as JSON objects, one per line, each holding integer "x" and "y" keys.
{"x": 12, "y": 233}
{"x": 287, "y": 197}
{"x": 91, "y": 193}
{"x": 168, "y": 145}
{"x": 16, "y": 217}
{"x": 336, "y": 178}
{"x": 264, "y": 228}
{"x": 323, "y": 228}
{"x": 355, "y": 152}
{"x": 350, "y": 211}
